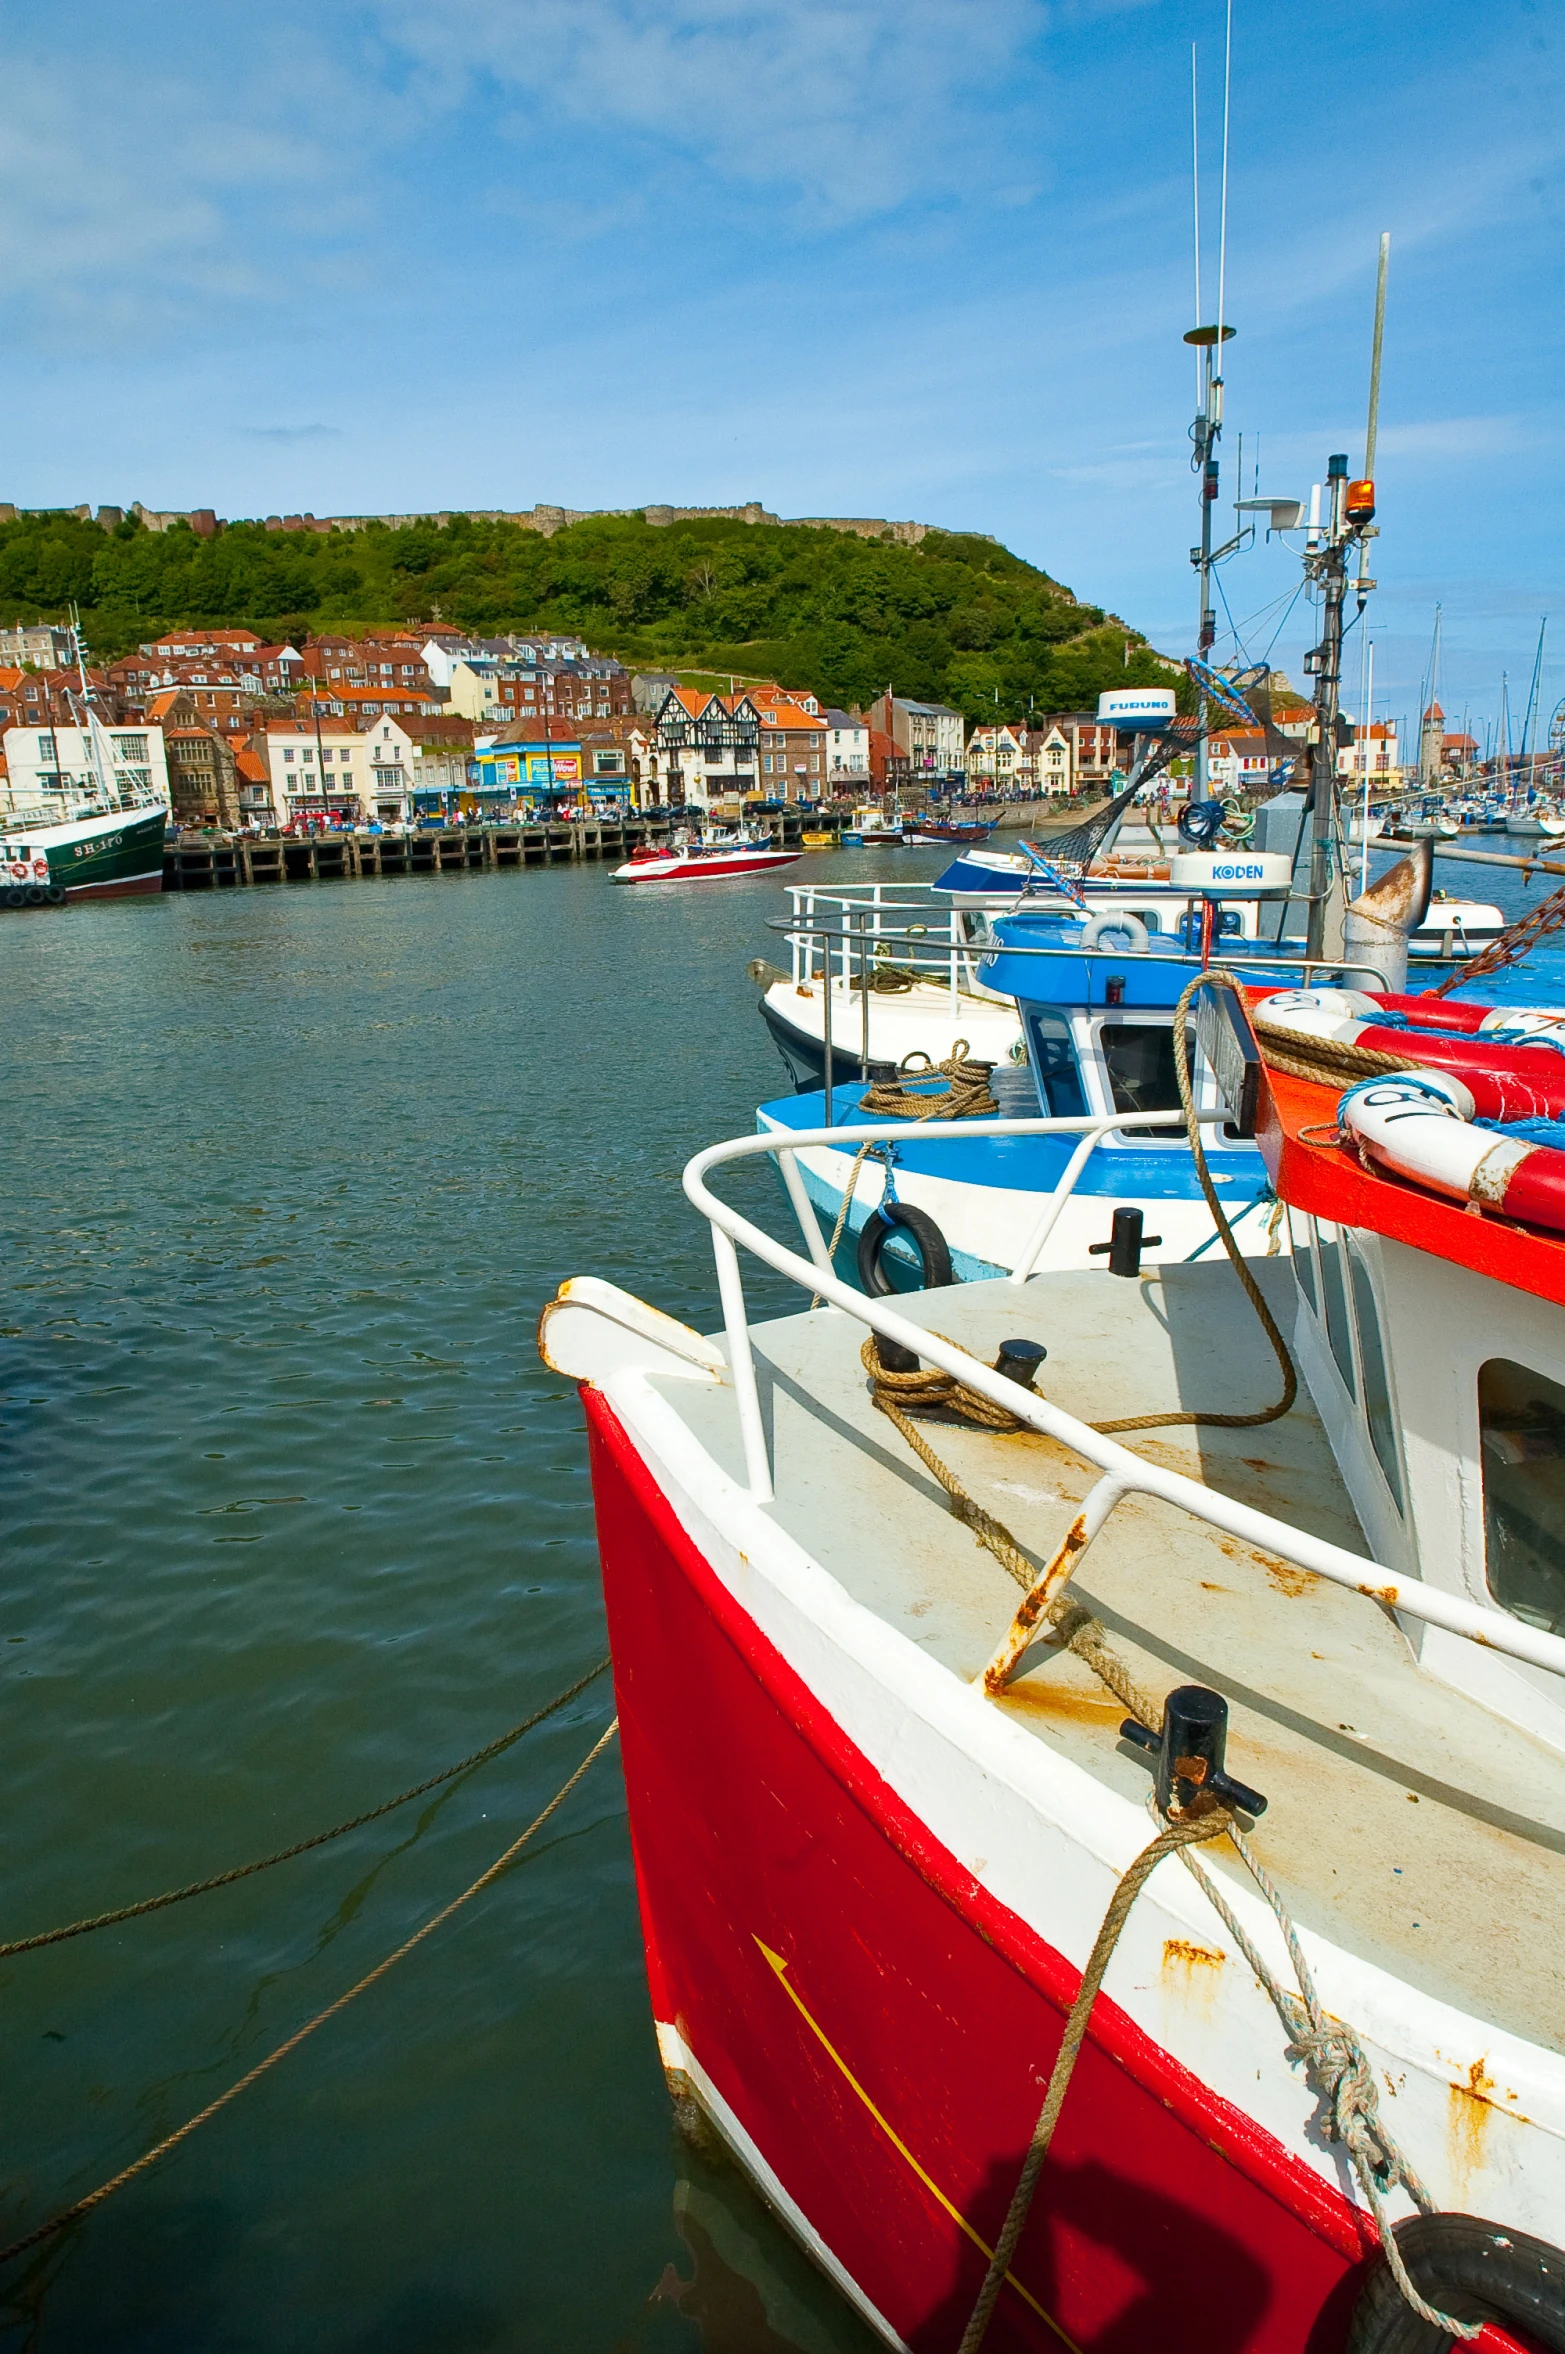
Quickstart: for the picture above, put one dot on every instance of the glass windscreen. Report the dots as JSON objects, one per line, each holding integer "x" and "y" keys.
{"x": 1521, "y": 1433}
{"x": 1139, "y": 1060}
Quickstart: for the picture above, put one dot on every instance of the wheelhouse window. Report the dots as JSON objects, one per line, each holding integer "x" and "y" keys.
{"x": 1334, "y": 1296}
{"x": 1378, "y": 1410}
{"x": 1521, "y": 1437}
{"x": 1139, "y": 1059}
{"x": 1054, "y": 1061}
{"x": 1303, "y": 1263}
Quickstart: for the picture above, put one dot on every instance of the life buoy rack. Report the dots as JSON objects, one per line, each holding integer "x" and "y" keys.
{"x": 1472, "y": 2270}
{"x": 934, "y": 1252}
{"x": 1118, "y": 920}
{"x": 1511, "y": 1062}
{"x": 1420, "y": 1125}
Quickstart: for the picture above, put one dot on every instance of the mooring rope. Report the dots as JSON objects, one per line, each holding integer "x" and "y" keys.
{"x": 154, "y": 1904}
{"x": 95, "y": 2198}
{"x": 1176, "y": 1835}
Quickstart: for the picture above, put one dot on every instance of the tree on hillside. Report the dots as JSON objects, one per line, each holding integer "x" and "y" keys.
{"x": 955, "y": 619}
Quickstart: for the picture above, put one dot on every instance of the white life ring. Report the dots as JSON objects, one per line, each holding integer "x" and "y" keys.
{"x": 41, "y": 869}
{"x": 1419, "y": 1123}
{"x": 1116, "y": 920}
{"x": 20, "y": 869}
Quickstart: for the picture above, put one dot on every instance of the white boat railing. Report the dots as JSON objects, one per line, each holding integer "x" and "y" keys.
{"x": 1122, "y": 1473}
{"x": 936, "y": 944}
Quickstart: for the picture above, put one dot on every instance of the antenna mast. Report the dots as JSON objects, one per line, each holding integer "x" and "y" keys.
{"x": 1207, "y": 428}
{"x": 1334, "y": 535}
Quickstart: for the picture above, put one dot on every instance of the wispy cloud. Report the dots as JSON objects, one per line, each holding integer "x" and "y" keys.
{"x": 852, "y": 105}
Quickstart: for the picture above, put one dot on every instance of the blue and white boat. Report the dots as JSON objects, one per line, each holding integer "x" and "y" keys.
{"x": 1094, "y": 1008}
{"x": 920, "y": 947}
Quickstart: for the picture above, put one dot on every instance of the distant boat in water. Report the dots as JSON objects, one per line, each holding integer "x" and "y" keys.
{"x": 708, "y": 861}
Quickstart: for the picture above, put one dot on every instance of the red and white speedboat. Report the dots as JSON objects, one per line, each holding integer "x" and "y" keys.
{"x": 704, "y": 861}
{"x": 881, "y": 1801}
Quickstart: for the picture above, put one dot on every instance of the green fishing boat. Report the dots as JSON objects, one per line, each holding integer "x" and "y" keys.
{"x": 47, "y": 858}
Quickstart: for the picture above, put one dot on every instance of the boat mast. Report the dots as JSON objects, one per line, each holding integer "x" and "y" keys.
{"x": 1208, "y": 425}
{"x": 1342, "y": 530}
{"x": 101, "y": 791}
{"x": 1532, "y": 703}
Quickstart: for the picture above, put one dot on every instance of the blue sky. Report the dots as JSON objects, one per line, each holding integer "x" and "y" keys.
{"x": 923, "y": 258}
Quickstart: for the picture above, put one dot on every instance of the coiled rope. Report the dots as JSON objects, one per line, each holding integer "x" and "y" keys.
{"x": 95, "y": 2198}
{"x": 965, "y": 1095}
{"x": 155, "y": 1904}
{"x": 1330, "y": 1062}
{"x": 887, "y": 980}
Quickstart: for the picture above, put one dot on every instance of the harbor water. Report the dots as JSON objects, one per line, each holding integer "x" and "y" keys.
{"x": 293, "y": 1517}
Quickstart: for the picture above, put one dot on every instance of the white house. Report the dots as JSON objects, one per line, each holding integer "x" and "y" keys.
{"x": 68, "y": 764}
{"x": 847, "y": 748}
{"x": 312, "y": 778}
{"x": 368, "y": 772}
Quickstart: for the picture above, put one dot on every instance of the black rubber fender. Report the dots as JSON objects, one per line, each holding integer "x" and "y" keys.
{"x": 14, "y": 895}
{"x": 934, "y": 1253}
{"x": 36, "y": 895}
{"x": 55, "y": 893}
{"x": 1473, "y": 2270}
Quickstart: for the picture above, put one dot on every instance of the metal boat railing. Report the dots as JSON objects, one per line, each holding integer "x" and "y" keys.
{"x": 856, "y": 943}
{"x": 1121, "y": 1473}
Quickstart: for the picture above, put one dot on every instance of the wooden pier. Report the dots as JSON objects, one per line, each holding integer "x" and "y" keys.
{"x": 222, "y": 862}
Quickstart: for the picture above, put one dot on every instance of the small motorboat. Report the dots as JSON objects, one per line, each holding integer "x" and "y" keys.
{"x": 872, "y": 829}
{"x": 704, "y": 860}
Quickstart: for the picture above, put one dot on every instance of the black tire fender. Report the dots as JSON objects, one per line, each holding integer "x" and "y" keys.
{"x": 36, "y": 895}
{"x": 901, "y": 1218}
{"x": 14, "y": 896}
{"x": 55, "y": 894}
{"x": 1473, "y": 2270}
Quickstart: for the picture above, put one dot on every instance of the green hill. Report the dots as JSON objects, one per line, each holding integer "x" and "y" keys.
{"x": 952, "y": 619}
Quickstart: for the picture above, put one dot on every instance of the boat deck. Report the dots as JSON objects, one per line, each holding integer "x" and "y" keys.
{"x": 1406, "y": 1822}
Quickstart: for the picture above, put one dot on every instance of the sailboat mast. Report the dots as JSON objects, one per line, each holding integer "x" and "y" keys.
{"x": 1532, "y": 700}
{"x": 101, "y": 791}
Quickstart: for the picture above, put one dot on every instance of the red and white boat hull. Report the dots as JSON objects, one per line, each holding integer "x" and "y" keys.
{"x": 680, "y": 867}
{"x": 867, "y": 1897}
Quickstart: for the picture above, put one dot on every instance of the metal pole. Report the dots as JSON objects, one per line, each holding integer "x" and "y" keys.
{"x": 827, "y": 1075}
{"x": 1325, "y": 925}
{"x": 1372, "y": 430}
{"x": 864, "y": 993}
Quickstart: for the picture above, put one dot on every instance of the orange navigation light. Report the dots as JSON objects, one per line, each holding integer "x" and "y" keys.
{"x": 1360, "y": 503}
